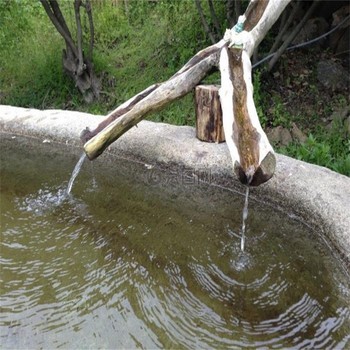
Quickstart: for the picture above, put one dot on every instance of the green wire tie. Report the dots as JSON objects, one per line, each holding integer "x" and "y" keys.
{"x": 238, "y": 28}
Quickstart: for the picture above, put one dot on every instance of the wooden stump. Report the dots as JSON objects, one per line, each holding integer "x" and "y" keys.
{"x": 209, "y": 125}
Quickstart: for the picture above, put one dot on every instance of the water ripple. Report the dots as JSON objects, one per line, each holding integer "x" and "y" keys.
{"x": 83, "y": 274}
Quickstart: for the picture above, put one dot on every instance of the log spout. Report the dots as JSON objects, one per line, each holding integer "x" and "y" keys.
{"x": 252, "y": 155}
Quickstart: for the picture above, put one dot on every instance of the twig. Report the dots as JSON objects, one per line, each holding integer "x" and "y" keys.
{"x": 59, "y": 26}
{"x": 204, "y": 22}
{"x": 293, "y": 35}
{"x": 237, "y": 9}
{"x": 306, "y": 43}
{"x": 92, "y": 29}
{"x": 215, "y": 19}
{"x": 283, "y": 30}
{"x": 80, "y": 69}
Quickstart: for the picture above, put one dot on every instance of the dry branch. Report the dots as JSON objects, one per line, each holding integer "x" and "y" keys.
{"x": 293, "y": 34}
{"x": 151, "y": 99}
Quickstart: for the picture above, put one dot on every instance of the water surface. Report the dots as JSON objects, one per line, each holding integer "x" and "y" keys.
{"x": 134, "y": 258}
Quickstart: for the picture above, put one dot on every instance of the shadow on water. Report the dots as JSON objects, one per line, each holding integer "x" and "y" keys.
{"x": 129, "y": 262}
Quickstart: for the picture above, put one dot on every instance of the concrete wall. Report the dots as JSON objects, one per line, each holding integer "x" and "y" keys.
{"x": 318, "y": 196}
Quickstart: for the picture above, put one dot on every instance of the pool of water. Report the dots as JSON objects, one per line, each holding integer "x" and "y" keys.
{"x": 136, "y": 258}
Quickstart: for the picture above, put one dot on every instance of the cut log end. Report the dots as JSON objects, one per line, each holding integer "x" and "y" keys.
{"x": 209, "y": 125}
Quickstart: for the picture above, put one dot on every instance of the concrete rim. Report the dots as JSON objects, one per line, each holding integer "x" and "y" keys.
{"x": 318, "y": 196}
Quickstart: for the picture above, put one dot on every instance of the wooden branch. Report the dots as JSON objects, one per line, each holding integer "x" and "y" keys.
{"x": 204, "y": 22}
{"x": 291, "y": 37}
{"x": 88, "y": 9}
{"x": 252, "y": 155}
{"x": 214, "y": 19}
{"x": 269, "y": 11}
{"x": 61, "y": 28}
{"x": 150, "y": 100}
{"x": 86, "y": 134}
{"x": 80, "y": 67}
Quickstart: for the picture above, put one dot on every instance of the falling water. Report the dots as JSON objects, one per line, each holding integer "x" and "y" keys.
{"x": 75, "y": 173}
{"x": 244, "y": 217}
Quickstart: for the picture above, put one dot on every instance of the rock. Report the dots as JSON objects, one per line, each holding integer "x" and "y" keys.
{"x": 340, "y": 114}
{"x": 297, "y": 134}
{"x": 332, "y": 75}
{"x": 339, "y": 117}
{"x": 312, "y": 29}
{"x": 279, "y": 136}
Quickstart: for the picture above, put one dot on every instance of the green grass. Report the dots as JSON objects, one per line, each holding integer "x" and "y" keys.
{"x": 324, "y": 152}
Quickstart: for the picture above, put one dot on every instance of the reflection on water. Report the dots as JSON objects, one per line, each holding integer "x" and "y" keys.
{"x": 127, "y": 265}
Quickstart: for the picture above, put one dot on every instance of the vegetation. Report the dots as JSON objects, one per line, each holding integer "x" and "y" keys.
{"x": 138, "y": 43}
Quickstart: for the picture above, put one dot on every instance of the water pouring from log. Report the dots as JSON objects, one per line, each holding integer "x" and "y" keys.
{"x": 252, "y": 155}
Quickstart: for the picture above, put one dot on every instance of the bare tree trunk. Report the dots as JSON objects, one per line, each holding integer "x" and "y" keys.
{"x": 205, "y": 24}
{"x": 76, "y": 65}
{"x": 251, "y": 152}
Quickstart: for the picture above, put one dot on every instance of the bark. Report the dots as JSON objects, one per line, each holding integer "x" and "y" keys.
{"x": 205, "y": 24}
{"x": 209, "y": 123}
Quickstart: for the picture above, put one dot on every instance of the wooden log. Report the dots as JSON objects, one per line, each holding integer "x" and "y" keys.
{"x": 253, "y": 158}
{"x": 157, "y": 96}
{"x": 209, "y": 125}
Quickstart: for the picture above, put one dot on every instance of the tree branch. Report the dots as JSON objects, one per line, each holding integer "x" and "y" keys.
{"x": 204, "y": 22}
{"x": 154, "y": 98}
{"x": 58, "y": 14}
{"x": 66, "y": 35}
{"x": 214, "y": 19}
{"x": 294, "y": 33}
{"x": 285, "y": 27}
{"x": 80, "y": 68}
{"x": 88, "y": 9}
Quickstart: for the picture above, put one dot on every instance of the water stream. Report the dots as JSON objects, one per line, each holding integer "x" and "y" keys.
{"x": 75, "y": 173}
{"x": 244, "y": 218}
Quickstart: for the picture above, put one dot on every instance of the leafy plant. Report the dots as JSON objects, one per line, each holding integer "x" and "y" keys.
{"x": 260, "y": 98}
{"x": 332, "y": 152}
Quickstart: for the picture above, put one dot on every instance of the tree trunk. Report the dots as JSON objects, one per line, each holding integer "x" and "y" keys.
{"x": 77, "y": 65}
{"x": 209, "y": 124}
